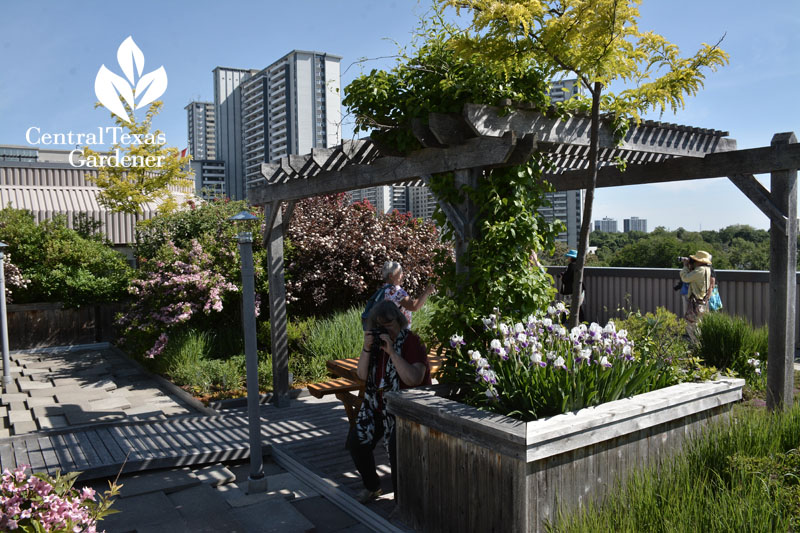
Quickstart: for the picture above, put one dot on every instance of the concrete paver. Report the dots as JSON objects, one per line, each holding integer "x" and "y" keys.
{"x": 38, "y": 401}
{"x": 25, "y": 386}
{"x": 52, "y": 422}
{"x": 23, "y": 427}
{"x": 150, "y": 509}
{"x": 272, "y": 516}
{"x": 215, "y": 475}
{"x": 326, "y": 517}
{"x": 166, "y": 481}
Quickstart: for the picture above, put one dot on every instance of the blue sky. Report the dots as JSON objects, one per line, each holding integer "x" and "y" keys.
{"x": 50, "y": 52}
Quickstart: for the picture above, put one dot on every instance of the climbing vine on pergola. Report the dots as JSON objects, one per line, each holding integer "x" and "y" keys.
{"x": 481, "y": 137}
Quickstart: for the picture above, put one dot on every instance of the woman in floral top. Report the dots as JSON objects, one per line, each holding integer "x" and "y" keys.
{"x": 393, "y": 276}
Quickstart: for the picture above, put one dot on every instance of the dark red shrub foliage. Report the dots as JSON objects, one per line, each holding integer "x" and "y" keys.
{"x": 336, "y": 253}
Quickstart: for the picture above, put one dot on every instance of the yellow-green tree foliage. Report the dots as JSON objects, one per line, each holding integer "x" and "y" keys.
{"x": 126, "y": 188}
{"x": 599, "y": 43}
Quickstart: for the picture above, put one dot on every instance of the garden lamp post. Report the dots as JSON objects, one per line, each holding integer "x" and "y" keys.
{"x": 3, "y": 325}
{"x": 257, "y": 481}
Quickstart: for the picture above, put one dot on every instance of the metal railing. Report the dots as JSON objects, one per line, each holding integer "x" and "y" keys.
{"x": 610, "y": 291}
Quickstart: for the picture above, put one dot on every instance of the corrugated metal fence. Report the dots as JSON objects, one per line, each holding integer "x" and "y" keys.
{"x": 610, "y": 290}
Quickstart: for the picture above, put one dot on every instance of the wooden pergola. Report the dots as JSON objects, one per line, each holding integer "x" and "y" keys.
{"x": 482, "y": 137}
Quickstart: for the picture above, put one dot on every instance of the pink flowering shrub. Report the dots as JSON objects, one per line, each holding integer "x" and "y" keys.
{"x": 176, "y": 288}
{"x": 336, "y": 252}
{"x": 189, "y": 278}
{"x": 41, "y": 503}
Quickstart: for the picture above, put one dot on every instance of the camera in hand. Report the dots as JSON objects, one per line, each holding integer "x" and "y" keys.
{"x": 681, "y": 260}
{"x": 377, "y": 343}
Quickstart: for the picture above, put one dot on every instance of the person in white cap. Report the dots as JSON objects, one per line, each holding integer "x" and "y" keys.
{"x": 697, "y": 273}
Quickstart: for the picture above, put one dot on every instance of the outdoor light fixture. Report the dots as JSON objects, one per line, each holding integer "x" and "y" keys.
{"x": 3, "y": 325}
{"x": 257, "y": 481}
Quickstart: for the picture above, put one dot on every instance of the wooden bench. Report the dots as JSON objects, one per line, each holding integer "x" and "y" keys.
{"x": 341, "y": 387}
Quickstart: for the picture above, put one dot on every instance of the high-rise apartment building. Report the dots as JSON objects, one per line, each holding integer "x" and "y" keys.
{"x": 290, "y": 107}
{"x": 209, "y": 178}
{"x": 421, "y": 202}
{"x": 607, "y": 225}
{"x": 201, "y": 120}
{"x": 380, "y": 197}
{"x": 635, "y": 224}
{"x": 566, "y": 206}
{"x": 228, "y": 110}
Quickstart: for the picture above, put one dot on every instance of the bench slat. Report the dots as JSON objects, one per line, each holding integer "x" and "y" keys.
{"x": 318, "y": 390}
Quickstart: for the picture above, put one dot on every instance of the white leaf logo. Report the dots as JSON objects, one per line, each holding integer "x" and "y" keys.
{"x": 109, "y": 87}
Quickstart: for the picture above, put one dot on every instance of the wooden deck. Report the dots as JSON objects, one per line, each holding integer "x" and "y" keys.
{"x": 312, "y": 431}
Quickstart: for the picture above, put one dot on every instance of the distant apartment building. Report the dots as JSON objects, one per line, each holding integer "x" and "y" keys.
{"x": 209, "y": 178}
{"x": 607, "y": 225}
{"x": 379, "y": 197}
{"x": 201, "y": 122}
{"x": 288, "y": 108}
{"x": 563, "y": 90}
{"x": 566, "y": 206}
{"x": 635, "y": 224}
{"x": 228, "y": 117}
{"x": 421, "y": 203}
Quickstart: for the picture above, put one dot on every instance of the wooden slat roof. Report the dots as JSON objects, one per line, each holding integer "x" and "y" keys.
{"x": 481, "y": 136}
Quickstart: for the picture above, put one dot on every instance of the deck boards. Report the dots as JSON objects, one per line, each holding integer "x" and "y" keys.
{"x": 313, "y": 430}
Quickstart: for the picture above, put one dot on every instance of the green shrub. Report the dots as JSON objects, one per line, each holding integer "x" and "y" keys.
{"x": 183, "y": 351}
{"x": 423, "y": 326}
{"x": 61, "y": 264}
{"x": 338, "y": 336}
{"x": 733, "y": 343}
{"x": 741, "y": 475}
{"x": 264, "y": 371}
{"x": 659, "y": 335}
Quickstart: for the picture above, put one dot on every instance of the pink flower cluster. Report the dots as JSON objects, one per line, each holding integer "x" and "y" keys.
{"x": 171, "y": 292}
{"x": 25, "y": 501}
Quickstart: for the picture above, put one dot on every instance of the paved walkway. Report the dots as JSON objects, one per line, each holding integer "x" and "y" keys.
{"x": 112, "y": 412}
{"x": 58, "y": 388}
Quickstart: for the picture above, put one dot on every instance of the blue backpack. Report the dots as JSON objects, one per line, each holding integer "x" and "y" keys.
{"x": 375, "y": 298}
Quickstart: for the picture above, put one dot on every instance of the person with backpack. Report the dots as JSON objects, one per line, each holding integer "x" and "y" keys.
{"x": 391, "y": 290}
{"x": 696, "y": 272}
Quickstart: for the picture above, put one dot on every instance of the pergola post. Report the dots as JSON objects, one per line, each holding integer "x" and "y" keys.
{"x": 273, "y": 240}
{"x": 782, "y": 284}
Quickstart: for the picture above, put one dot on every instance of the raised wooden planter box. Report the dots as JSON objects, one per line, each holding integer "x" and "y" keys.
{"x": 462, "y": 469}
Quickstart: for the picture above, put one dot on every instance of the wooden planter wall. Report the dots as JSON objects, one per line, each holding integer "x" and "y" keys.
{"x": 461, "y": 469}
{"x": 50, "y": 324}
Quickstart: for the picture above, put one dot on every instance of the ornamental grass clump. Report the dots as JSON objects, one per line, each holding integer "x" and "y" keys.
{"x": 535, "y": 367}
{"x": 42, "y": 503}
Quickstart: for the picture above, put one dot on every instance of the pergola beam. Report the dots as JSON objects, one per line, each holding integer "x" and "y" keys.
{"x": 761, "y": 197}
{"x": 715, "y": 165}
{"x": 650, "y": 137}
{"x": 474, "y": 153}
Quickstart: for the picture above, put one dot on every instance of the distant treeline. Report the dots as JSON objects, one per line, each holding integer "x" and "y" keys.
{"x": 738, "y": 247}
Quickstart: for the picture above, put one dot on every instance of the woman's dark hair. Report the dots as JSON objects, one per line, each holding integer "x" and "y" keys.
{"x": 386, "y": 311}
